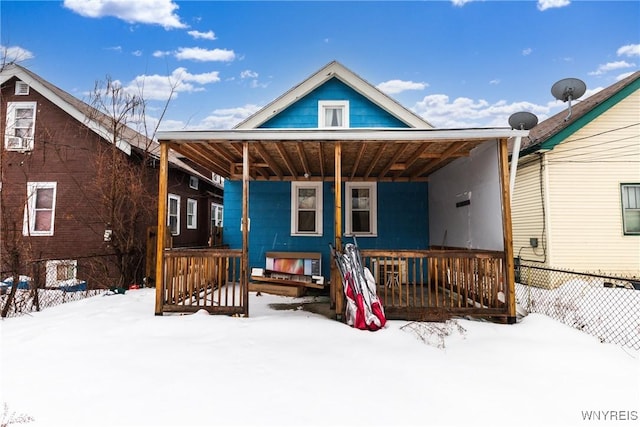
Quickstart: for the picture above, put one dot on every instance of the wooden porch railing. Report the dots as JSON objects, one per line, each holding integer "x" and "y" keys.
{"x": 412, "y": 284}
{"x": 437, "y": 284}
{"x": 208, "y": 279}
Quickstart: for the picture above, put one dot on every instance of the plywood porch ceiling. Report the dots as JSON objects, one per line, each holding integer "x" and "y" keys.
{"x": 291, "y": 160}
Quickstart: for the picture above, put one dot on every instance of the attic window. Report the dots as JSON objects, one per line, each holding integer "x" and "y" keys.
{"x": 193, "y": 182}
{"x": 22, "y": 88}
{"x": 333, "y": 114}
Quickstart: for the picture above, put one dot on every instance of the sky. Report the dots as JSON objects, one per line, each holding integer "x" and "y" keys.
{"x": 459, "y": 63}
{"x": 108, "y": 361}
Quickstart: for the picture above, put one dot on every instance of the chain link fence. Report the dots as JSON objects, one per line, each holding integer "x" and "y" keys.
{"x": 607, "y": 307}
{"x": 49, "y": 283}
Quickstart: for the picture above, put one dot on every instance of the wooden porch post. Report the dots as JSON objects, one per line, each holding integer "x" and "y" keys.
{"x": 244, "y": 269}
{"x": 162, "y": 225}
{"x": 510, "y": 287}
{"x": 336, "y": 279}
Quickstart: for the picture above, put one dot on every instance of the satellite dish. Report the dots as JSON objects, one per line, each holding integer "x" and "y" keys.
{"x": 567, "y": 90}
{"x": 523, "y": 120}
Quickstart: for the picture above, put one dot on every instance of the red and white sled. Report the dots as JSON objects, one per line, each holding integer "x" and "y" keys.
{"x": 363, "y": 309}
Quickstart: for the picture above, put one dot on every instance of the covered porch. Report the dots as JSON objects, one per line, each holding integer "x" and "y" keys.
{"x": 457, "y": 271}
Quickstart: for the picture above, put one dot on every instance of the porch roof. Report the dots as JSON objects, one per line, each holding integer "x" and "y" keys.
{"x": 380, "y": 154}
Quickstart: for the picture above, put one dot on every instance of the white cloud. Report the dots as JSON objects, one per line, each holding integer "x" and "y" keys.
{"x": 551, "y": 4}
{"x": 209, "y": 35}
{"x": 624, "y": 76}
{"x": 156, "y": 12}
{"x": 227, "y": 118}
{"x": 248, "y": 74}
{"x": 610, "y": 66}
{"x": 204, "y": 78}
{"x": 161, "y": 53}
{"x": 255, "y": 83}
{"x": 157, "y": 87}
{"x": 397, "y": 86}
{"x": 460, "y": 3}
{"x": 494, "y": 82}
{"x": 527, "y": 51}
{"x": 629, "y": 50}
{"x": 204, "y": 55}
{"x": 137, "y": 53}
{"x": 14, "y": 54}
{"x": 440, "y": 111}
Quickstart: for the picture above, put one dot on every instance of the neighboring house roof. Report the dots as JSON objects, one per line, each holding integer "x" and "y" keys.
{"x": 554, "y": 130}
{"x": 94, "y": 119}
{"x": 335, "y": 70}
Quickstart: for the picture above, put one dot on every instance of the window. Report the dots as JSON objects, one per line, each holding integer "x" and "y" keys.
{"x": 192, "y": 214}
{"x": 333, "y": 114}
{"x": 173, "y": 214}
{"x": 306, "y": 208}
{"x": 631, "y": 208}
{"x": 193, "y": 182}
{"x": 20, "y": 128}
{"x": 39, "y": 213}
{"x": 216, "y": 215}
{"x": 60, "y": 272}
{"x": 361, "y": 208}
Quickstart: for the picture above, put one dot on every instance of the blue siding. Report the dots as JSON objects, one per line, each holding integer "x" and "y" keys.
{"x": 362, "y": 112}
{"x": 402, "y": 220}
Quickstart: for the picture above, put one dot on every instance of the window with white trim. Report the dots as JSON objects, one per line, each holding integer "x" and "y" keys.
{"x": 631, "y": 208}
{"x": 333, "y": 114}
{"x": 61, "y": 272}
{"x": 193, "y": 182}
{"x": 192, "y": 214}
{"x": 20, "y": 126}
{"x": 306, "y": 208}
{"x": 361, "y": 218}
{"x": 173, "y": 214}
{"x": 39, "y": 213}
{"x": 216, "y": 215}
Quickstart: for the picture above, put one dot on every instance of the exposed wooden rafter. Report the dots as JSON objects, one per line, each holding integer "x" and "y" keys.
{"x": 287, "y": 161}
{"x": 268, "y": 159}
{"x": 303, "y": 159}
{"x": 375, "y": 161}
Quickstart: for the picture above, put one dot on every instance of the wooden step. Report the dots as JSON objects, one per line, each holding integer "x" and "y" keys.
{"x": 277, "y": 289}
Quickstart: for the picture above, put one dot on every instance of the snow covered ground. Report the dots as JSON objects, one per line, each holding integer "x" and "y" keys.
{"x": 108, "y": 361}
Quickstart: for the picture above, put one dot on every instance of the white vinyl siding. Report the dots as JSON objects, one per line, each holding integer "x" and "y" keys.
{"x": 306, "y": 208}
{"x": 585, "y": 173}
{"x": 192, "y": 214}
{"x": 361, "y": 209}
{"x": 527, "y": 211}
{"x": 173, "y": 214}
{"x": 20, "y": 126}
{"x": 39, "y": 214}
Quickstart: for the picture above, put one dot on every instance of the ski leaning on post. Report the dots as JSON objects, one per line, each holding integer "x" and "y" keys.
{"x": 363, "y": 309}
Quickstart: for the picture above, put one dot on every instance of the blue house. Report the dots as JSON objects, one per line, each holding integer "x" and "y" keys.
{"x": 335, "y": 157}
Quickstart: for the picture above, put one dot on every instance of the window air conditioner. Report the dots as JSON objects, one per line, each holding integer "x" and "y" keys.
{"x": 16, "y": 142}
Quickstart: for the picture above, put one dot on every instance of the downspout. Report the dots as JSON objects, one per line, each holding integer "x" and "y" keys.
{"x": 515, "y": 155}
